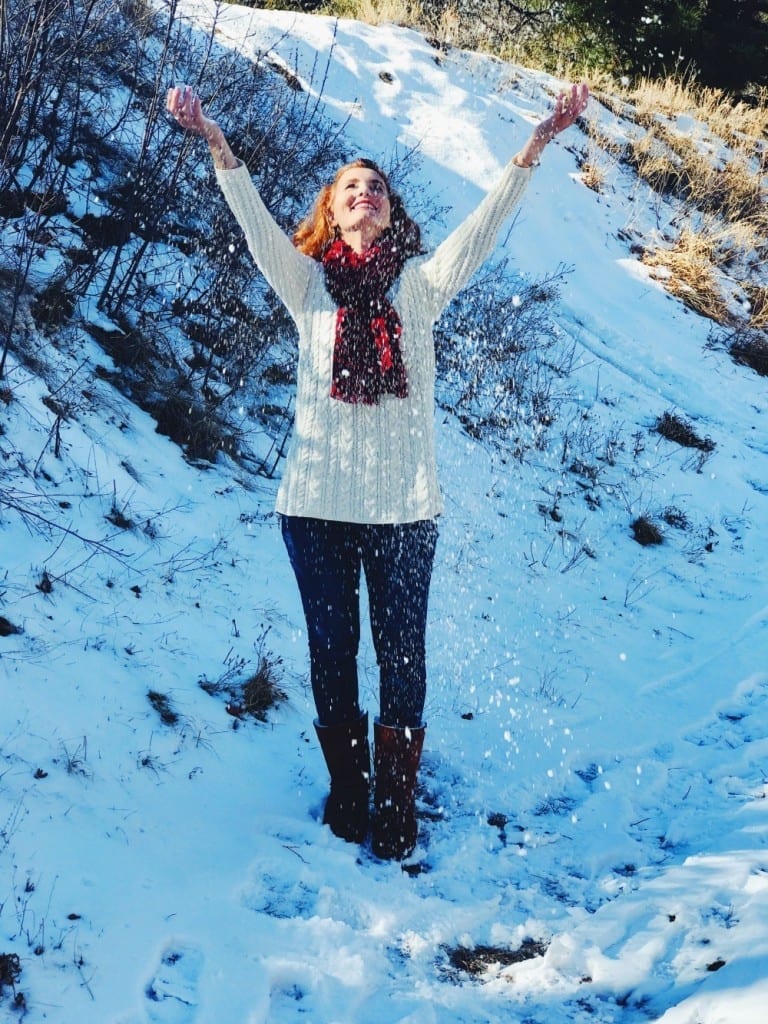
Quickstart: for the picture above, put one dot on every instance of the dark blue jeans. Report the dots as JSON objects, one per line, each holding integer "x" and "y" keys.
{"x": 397, "y": 561}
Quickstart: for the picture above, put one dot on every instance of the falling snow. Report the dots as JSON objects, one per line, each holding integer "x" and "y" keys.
{"x": 596, "y": 762}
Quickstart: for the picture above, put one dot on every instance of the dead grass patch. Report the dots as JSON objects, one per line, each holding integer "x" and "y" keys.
{"x": 751, "y": 349}
{"x": 657, "y": 164}
{"x": 740, "y": 192}
{"x": 676, "y": 518}
{"x": 673, "y": 162}
{"x": 679, "y": 430}
{"x": 8, "y": 628}
{"x": 476, "y": 960}
{"x": 375, "y": 12}
{"x": 10, "y": 970}
{"x": 592, "y": 176}
{"x": 249, "y": 694}
{"x": 758, "y": 301}
{"x": 163, "y": 706}
{"x": 731, "y": 120}
{"x": 686, "y": 269}
{"x": 646, "y": 532}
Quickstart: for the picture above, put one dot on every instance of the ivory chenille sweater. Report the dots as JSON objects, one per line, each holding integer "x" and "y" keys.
{"x": 353, "y": 462}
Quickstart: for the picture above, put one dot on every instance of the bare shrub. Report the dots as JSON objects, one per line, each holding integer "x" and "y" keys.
{"x": 499, "y": 353}
{"x": 646, "y": 532}
{"x": 193, "y": 425}
{"x": 46, "y": 52}
{"x": 143, "y": 253}
{"x": 679, "y": 430}
{"x": 249, "y": 692}
{"x": 475, "y": 960}
{"x": 750, "y": 348}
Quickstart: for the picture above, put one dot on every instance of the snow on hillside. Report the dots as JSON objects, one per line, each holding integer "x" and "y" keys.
{"x": 596, "y": 761}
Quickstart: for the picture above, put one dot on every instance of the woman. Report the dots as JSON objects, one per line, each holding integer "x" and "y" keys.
{"x": 360, "y": 485}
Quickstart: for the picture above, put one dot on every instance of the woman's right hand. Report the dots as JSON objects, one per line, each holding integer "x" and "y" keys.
{"x": 183, "y": 104}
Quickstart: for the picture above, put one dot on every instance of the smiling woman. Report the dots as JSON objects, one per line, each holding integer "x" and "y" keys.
{"x": 329, "y": 217}
{"x": 360, "y": 488}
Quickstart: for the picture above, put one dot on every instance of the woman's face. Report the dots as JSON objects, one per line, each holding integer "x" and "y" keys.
{"x": 360, "y": 203}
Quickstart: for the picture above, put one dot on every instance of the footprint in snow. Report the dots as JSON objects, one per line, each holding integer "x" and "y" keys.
{"x": 171, "y": 995}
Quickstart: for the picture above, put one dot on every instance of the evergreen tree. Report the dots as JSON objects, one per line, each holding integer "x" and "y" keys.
{"x": 724, "y": 42}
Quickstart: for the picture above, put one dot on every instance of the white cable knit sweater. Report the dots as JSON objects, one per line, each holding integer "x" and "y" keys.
{"x": 353, "y": 462}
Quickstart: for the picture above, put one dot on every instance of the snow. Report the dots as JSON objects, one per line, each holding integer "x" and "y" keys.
{"x": 597, "y": 741}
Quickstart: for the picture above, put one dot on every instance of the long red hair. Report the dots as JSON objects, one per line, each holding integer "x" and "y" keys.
{"x": 316, "y": 231}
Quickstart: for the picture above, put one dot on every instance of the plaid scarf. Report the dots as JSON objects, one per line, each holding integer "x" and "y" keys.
{"x": 367, "y": 361}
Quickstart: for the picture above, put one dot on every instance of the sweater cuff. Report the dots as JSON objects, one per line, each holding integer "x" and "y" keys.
{"x": 232, "y": 177}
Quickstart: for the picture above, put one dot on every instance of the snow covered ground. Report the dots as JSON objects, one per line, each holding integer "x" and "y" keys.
{"x": 596, "y": 763}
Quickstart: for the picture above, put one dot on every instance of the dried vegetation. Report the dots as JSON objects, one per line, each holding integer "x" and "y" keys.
{"x": 709, "y": 153}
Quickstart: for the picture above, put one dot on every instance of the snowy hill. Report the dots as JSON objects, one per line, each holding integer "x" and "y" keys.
{"x": 594, "y": 826}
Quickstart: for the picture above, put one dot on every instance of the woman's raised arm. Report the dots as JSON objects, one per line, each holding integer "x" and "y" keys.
{"x": 287, "y": 270}
{"x": 455, "y": 260}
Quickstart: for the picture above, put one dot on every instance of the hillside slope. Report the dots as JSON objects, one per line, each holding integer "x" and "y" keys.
{"x": 593, "y": 818}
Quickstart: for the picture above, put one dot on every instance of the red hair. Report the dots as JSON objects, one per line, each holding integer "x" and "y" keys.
{"x": 316, "y": 231}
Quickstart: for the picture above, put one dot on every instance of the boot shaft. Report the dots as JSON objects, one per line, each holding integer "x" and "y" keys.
{"x": 346, "y": 750}
{"x": 397, "y": 755}
{"x": 347, "y": 754}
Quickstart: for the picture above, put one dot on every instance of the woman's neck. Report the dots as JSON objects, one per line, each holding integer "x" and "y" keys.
{"x": 360, "y": 241}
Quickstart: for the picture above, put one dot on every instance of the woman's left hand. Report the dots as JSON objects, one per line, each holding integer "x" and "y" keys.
{"x": 568, "y": 106}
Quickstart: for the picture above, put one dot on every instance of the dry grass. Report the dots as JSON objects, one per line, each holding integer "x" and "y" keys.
{"x": 758, "y": 300}
{"x": 676, "y": 428}
{"x": 743, "y": 195}
{"x": 725, "y": 212}
{"x": 731, "y": 120}
{"x": 476, "y": 960}
{"x": 377, "y": 12}
{"x": 592, "y": 175}
{"x": 656, "y": 164}
{"x": 672, "y": 164}
{"x": 750, "y": 348}
{"x": 687, "y": 270}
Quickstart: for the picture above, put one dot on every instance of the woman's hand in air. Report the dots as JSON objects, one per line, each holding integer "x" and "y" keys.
{"x": 568, "y": 106}
{"x": 183, "y": 104}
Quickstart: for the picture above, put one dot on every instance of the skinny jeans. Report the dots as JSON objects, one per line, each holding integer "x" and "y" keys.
{"x": 397, "y": 561}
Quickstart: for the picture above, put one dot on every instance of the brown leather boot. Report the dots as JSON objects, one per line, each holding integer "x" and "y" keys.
{"x": 347, "y": 754}
{"x": 397, "y": 753}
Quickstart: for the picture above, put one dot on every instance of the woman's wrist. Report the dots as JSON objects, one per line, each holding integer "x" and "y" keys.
{"x": 223, "y": 157}
{"x": 534, "y": 147}
{"x": 213, "y": 135}
{"x": 529, "y": 154}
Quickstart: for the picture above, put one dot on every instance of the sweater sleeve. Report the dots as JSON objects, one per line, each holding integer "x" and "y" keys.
{"x": 287, "y": 270}
{"x": 457, "y": 258}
